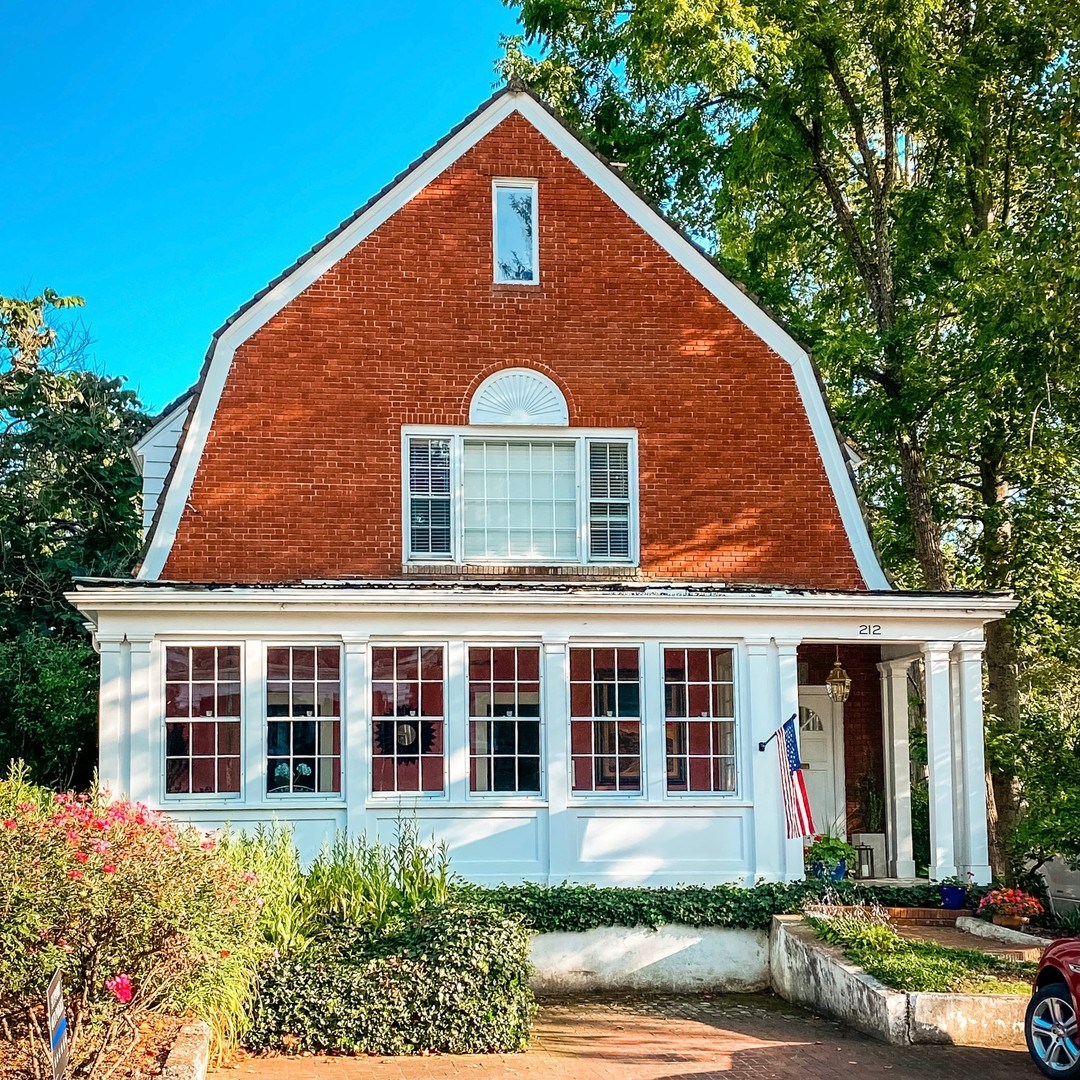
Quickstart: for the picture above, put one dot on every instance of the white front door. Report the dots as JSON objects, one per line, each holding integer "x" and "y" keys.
{"x": 821, "y": 747}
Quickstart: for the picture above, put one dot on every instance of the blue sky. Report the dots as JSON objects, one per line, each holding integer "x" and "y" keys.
{"x": 166, "y": 160}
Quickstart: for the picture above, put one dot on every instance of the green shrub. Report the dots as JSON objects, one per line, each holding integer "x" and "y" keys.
{"x": 453, "y": 979}
{"x": 584, "y": 907}
{"x": 138, "y": 914}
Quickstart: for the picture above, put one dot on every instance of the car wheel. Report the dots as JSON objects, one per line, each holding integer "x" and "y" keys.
{"x": 1051, "y": 1031}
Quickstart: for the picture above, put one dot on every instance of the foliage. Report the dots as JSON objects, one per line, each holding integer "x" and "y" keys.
{"x": 576, "y": 908}
{"x": 870, "y": 941}
{"x": 1009, "y": 902}
{"x": 351, "y": 882}
{"x": 829, "y": 851}
{"x": 69, "y": 506}
{"x": 48, "y": 698}
{"x": 898, "y": 182}
{"x": 452, "y": 979}
{"x": 138, "y": 915}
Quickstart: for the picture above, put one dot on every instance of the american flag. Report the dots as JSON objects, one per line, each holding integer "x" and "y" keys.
{"x": 800, "y": 822}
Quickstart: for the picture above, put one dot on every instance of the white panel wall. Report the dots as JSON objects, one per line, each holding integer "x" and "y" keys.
{"x": 154, "y": 452}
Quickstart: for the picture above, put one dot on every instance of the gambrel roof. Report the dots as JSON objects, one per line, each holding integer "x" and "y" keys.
{"x": 351, "y": 232}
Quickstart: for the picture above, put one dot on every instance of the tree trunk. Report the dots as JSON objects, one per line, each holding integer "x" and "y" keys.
{"x": 924, "y": 525}
{"x": 1002, "y": 686}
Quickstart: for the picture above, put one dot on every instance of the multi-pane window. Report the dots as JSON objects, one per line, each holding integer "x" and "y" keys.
{"x": 518, "y": 500}
{"x": 609, "y": 500}
{"x": 699, "y": 706}
{"x": 515, "y": 232}
{"x": 202, "y": 719}
{"x": 303, "y": 719}
{"x": 605, "y": 725}
{"x": 504, "y": 719}
{"x": 429, "y": 497}
{"x": 407, "y": 708}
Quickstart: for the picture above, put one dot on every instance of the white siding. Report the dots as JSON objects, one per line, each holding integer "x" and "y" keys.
{"x": 154, "y": 454}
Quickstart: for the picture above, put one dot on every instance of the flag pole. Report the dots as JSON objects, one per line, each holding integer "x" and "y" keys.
{"x": 761, "y": 745}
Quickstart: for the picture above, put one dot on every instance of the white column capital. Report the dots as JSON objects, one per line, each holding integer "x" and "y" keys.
{"x": 555, "y": 644}
{"x": 759, "y": 647}
{"x": 140, "y": 642}
{"x": 896, "y": 668}
{"x": 969, "y": 650}
{"x": 937, "y": 650}
{"x": 355, "y": 642}
{"x": 788, "y": 645}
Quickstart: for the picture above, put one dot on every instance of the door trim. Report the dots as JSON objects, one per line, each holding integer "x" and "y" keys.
{"x": 835, "y": 713}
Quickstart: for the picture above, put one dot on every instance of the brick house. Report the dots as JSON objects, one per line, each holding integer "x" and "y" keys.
{"x": 504, "y": 509}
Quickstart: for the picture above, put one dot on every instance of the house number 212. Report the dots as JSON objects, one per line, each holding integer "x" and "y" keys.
{"x": 869, "y": 629}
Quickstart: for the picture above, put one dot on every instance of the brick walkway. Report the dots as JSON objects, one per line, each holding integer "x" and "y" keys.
{"x": 668, "y": 1039}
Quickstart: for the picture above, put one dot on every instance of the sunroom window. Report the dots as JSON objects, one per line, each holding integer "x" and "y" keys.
{"x": 515, "y": 240}
{"x": 519, "y": 499}
{"x": 699, "y": 710}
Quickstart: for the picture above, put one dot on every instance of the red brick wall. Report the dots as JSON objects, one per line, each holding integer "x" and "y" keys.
{"x": 301, "y": 476}
{"x": 863, "y": 750}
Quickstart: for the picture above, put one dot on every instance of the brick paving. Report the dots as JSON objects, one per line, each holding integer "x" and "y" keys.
{"x": 684, "y": 1038}
{"x": 960, "y": 939}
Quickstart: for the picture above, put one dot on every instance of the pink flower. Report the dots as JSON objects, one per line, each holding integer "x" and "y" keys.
{"x": 101, "y": 847}
{"x": 75, "y": 875}
{"x": 120, "y": 988}
{"x": 207, "y": 845}
{"x": 249, "y": 877}
{"x": 72, "y": 837}
{"x": 108, "y": 868}
{"x": 81, "y": 856}
{"x": 25, "y": 807}
{"x": 9, "y": 823}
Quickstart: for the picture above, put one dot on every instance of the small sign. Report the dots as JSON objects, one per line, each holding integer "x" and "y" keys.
{"x": 59, "y": 1036}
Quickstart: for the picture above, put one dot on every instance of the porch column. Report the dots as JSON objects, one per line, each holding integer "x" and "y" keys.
{"x": 770, "y": 840}
{"x": 939, "y": 752}
{"x": 356, "y": 733}
{"x": 112, "y": 716}
{"x": 894, "y": 714}
{"x": 788, "y": 672}
{"x": 144, "y": 784}
{"x": 556, "y": 676}
{"x": 968, "y": 660}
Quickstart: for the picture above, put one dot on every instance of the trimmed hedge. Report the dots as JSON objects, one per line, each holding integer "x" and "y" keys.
{"x": 545, "y": 908}
{"x": 454, "y": 981}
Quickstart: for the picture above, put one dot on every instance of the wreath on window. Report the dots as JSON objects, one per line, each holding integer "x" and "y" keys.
{"x": 411, "y": 737}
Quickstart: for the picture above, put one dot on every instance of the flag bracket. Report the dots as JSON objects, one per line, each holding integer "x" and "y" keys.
{"x": 761, "y": 745}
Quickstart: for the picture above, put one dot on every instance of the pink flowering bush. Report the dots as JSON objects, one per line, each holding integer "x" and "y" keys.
{"x": 140, "y": 914}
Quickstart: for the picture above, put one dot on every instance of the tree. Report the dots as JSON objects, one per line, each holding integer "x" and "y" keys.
{"x": 69, "y": 506}
{"x": 899, "y": 179}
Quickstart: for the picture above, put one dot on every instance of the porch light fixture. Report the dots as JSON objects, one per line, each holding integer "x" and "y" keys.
{"x": 838, "y": 684}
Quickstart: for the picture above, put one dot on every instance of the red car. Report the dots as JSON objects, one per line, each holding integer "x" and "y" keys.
{"x": 1050, "y": 1026}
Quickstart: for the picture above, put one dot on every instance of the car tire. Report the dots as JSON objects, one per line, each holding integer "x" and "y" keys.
{"x": 1050, "y": 1028}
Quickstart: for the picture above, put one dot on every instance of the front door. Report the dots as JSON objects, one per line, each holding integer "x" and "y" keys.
{"x": 821, "y": 747}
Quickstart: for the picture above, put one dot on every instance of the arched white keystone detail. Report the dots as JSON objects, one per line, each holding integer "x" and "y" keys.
{"x": 519, "y": 396}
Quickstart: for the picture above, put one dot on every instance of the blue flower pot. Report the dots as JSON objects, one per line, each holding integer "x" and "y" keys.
{"x": 952, "y": 896}
{"x": 829, "y": 873}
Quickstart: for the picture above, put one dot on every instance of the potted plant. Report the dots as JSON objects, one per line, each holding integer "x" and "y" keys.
{"x": 828, "y": 857}
{"x": 1009, "y": 907}
{"x": 953, "y": 891}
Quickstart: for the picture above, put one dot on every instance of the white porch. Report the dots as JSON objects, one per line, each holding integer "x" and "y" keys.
{"x": 654, "y": 836}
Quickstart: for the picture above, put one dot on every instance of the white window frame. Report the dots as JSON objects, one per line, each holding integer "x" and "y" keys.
{"x": 409, "y": 798}
{"x": 457, "y": 436}
{"x": 198, "y": 800}
{"x": 520, "y": 184}
{"x": 742, "y": 764}
{"x": 300, "y": 797}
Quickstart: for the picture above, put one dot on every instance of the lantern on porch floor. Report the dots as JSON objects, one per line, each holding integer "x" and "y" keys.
{"x": 864, "y": 861}
{"x": 838, "y": 684}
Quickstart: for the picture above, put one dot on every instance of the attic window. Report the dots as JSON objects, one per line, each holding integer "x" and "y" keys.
{"x": 515, "y": 239}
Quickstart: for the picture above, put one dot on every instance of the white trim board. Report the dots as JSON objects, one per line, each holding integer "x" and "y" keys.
{"x": 674, "y": 243}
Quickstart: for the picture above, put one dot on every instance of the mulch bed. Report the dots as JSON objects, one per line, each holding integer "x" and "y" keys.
{"x": 144, "y": 1060}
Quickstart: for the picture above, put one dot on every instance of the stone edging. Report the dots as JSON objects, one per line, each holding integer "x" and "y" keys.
{"x": 982, "y": 928}
{"x": 189, "y": 1057}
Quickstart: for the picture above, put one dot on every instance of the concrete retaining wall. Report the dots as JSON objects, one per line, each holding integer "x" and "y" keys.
{"x": 809, "y": 972}
{"x": 671, "y": 957}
